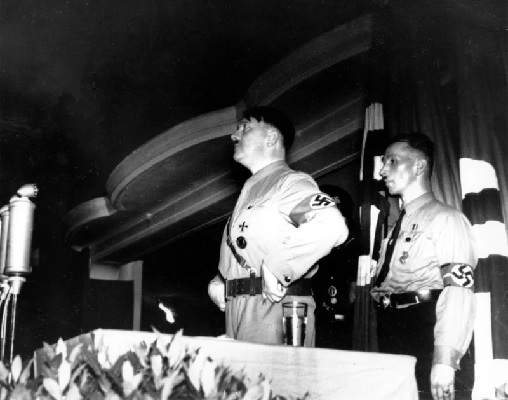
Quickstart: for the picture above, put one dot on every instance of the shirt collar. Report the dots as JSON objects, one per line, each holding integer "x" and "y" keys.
{"x": 419, "y": 202}
{"x": 267, "y": 170}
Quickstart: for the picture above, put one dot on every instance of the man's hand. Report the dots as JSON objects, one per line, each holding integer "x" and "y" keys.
{"x": 442, "y": 382}
{"x": 217, "y": 292}
{"x": 272, "y": 288}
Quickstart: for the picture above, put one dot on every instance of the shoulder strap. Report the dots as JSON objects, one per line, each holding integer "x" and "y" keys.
{"x": 237, "y": 256}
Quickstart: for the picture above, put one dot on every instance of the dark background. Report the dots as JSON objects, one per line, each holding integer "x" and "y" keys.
{"x": 84, "y": 83}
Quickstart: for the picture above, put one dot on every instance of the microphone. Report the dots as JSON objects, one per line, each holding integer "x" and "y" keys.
{"x": 21, "y": 216}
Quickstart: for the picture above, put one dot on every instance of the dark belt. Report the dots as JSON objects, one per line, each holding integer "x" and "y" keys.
{"x": 400, "y": 299}
{"x": 238, "y": 287}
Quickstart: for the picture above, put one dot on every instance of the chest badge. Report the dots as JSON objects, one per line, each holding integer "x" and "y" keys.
{"x": 241, "y": 242}
{"x": 243, "y": 226}
{"x": 404, "y": 257}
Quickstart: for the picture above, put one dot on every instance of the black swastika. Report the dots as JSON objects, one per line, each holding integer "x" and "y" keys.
{"x": 320, "y": 200}
{"x": 463, "y": 275}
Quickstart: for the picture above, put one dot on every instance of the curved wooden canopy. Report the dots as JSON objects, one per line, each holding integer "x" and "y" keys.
{"x": 184, "y": 179}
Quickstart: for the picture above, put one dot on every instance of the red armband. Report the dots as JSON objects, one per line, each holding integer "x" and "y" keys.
{"x": 311, "y": 203}
{"x": 455, "y": 274}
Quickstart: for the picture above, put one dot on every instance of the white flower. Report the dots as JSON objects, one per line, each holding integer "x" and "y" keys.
{"x": 194, "y": 372}
{"x": 156, "y": 363}
{"x": 176, "y": 350}
{"x": 160, "y": 343}
{"x": 261, "y": 391}
{"x": 202, "y": 374}
{"x": 168, "y": 383}
{"x": 130, "y": 381}
{"x": 208, "y": 380}
{"x": 16, "y": 368}
{"x": 103, "y": 359}
{"x": 61, "y": 348}
{"x": 64, "y": 374}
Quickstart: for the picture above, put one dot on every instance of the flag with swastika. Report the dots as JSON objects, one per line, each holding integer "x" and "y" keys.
{"x": 373, "y": 211}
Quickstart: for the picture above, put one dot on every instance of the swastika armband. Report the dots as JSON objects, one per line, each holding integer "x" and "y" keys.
{"x": 310, "y": 203}
{"x": 455, "y": 274}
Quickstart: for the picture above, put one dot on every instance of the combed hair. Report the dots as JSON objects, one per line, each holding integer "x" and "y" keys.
{"x": 420, "y": 142}
{"x": 275, "y": 118}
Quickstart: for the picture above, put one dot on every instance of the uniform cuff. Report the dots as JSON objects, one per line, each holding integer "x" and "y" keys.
{"x": 447, "y": 355}
{"x": 277, "y": 261}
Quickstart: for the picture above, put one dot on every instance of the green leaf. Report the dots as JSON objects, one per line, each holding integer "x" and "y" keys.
{"x": 4, "y": 372}
{"x": 21, "y": 393}
{"x": 73, "y": 393}
{"x": 25, "y": 375}
{"x": 52, "y": 387}
{"x": 48, "y": 350}
{"x": 112, "y": 396}
{"x": 91, "y": 359}
{"x": 75, "y": 353}
{"x": 55, "y": 362}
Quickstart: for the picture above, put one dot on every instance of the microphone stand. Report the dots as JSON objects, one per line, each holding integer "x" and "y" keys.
{"x": 16, "y": 254}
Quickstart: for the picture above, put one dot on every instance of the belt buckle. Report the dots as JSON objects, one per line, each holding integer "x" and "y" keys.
{"x": 385, "y": 300}
{"x": 423, "y": 294}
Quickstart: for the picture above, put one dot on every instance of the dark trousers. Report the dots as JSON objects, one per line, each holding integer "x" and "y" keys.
{"x": 410, "y": 331}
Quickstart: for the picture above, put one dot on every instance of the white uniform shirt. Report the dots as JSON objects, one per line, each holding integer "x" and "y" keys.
{"x": 432, "y": 235}
{"x": 281, "y": 219}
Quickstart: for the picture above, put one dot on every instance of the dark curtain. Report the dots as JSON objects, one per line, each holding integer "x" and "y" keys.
{"x": 448, "y": 79}
{"x": 482, "y": 85}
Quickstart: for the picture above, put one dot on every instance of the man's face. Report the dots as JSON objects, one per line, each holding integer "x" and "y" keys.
{"x": 399, "y": 168}
{"x": 249, "y": 141}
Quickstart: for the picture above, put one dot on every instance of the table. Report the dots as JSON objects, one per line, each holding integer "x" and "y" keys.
{"x": 292, "y": 371}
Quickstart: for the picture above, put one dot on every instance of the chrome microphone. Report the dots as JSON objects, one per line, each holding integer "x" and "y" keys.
{"x": 4, "y": 233}
{"x": 19, "y": 241}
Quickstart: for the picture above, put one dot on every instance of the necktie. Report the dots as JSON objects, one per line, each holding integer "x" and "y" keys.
{"x": 389, "y": 249}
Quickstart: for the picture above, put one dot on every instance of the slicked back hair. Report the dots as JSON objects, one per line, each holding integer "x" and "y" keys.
{"x": 419, "y": 142}
{"x": 275, "y": 118}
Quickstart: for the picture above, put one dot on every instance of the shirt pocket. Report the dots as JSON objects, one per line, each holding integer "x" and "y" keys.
{"x": 409, "y": 246}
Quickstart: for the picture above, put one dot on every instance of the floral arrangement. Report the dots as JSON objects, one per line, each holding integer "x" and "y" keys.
{"x": 157, "y": 371}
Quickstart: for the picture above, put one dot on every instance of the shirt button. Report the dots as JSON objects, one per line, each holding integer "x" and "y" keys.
{"x": 287, "y": 279}
{"x": 241, "y": 242}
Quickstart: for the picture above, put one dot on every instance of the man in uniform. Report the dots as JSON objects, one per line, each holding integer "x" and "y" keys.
{"x": 335, "y": 283}
{"x": 424, "y": 278}
{"x": 281, "y": 226}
